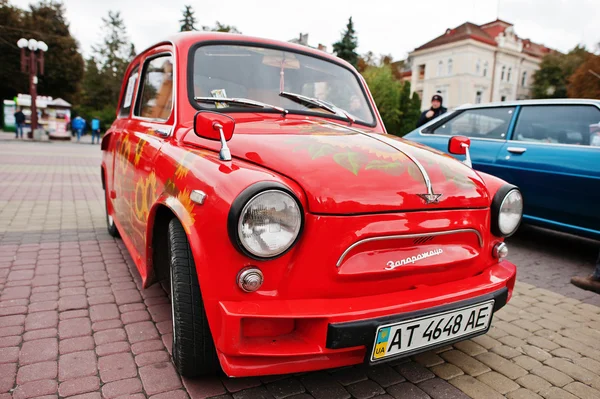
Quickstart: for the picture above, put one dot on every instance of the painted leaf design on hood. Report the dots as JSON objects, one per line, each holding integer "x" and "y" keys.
{"x": 393, "y": 168}
{"x": 320, "y": 150}
{"x": 352, "y": 161}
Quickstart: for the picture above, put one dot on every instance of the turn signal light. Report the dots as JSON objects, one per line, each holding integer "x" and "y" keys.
{"x": 500, "y": 250}
{"x": 250, "y": 279}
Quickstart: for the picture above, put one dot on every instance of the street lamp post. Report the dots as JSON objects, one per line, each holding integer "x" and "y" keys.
{"x": 30, "y": 62}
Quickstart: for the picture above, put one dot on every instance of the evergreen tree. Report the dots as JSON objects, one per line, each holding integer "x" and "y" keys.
{"x": 113, "y": 54}
{"x": 105, "y": 70}
{"x": 132, "y": 52}
{"x": 219, "y": 27}
{"x": 346, "y": 47}
{"x": 188, "y": 23}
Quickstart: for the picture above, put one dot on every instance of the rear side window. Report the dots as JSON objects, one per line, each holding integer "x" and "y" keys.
{"x": 156, "y": 95}
{"x": 129, "y": 93}
{"x": 487, "y": 123}
{"x": 559, "y": 124}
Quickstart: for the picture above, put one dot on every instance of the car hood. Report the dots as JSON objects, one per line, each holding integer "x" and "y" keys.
{"x": 346, "y": 170}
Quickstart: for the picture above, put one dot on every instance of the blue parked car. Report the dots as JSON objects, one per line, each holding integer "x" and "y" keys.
{"x": 550, "y": 149}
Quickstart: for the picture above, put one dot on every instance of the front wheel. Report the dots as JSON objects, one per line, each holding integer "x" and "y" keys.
{"x": 194, "y": 351}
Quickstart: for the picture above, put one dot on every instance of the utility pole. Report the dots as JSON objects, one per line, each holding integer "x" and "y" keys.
{"x": 30, "y": 62}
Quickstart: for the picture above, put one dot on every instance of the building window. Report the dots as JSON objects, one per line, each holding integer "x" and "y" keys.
{"x": 421, "y": 74}
{"x": 485, "y": 68}
{"x": 440, "y": 71}
{"x": 503, "y": 98}
{"x": 509, "y": 73}
{"x": 478, "y": 97}
{"x": 478, "y": 67}
{"x": 450, "y": 66}
{"x": 524, "y": 79}
{"x": 502, "y": 74}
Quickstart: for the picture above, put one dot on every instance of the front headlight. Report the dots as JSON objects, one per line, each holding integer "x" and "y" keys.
{"x": 507, "y": 211}
{"x": 268, "y": 224}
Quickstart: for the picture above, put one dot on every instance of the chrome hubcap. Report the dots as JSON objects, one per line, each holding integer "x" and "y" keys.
{"x": 110, "y": 220}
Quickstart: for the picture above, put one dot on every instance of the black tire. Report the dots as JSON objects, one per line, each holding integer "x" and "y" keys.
{"x": 110, "y": 223}
{"x": 194, "y": 351}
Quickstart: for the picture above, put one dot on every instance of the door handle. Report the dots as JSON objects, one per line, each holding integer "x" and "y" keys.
{"x": 163, "y": 131}
{"x": 516, "y": 150}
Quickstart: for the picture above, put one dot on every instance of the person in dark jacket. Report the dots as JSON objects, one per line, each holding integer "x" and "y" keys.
{"x": 433, "y": 112}
{"x": 20, "y": 122}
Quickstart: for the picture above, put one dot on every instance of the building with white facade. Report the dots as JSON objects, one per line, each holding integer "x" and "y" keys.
{"x": 475, "y": 64}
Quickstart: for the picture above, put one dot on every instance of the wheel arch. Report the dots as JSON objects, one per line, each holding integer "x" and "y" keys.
{"x": 161, "y": 213}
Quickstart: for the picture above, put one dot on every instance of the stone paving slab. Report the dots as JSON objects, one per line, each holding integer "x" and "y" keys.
{"x": 74, "y": 321}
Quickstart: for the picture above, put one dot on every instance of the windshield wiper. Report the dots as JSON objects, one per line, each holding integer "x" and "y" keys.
{"x": 299, "y": 98}
{"x": 240, "y": 101}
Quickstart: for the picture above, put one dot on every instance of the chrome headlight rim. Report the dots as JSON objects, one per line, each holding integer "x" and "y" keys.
{"x": 498, "y": 201}
{"x": 238, "y": 206}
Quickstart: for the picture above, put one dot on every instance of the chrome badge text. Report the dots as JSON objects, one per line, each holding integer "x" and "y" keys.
{"x": 391, "y": 265}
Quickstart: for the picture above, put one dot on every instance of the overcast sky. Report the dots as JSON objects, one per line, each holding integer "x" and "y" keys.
{"x": 384, "y": 27}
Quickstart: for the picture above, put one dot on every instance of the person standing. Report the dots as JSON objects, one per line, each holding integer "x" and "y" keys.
{"x": 95, "y": 129}
{"x": 433, "y": 112}
{"x": 20, "y": 122}
{"x": 78, "y": 125}
{"x": 591, "y": 282}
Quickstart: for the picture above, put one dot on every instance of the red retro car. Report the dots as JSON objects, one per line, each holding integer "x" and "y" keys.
{"x": 256, "y": 180}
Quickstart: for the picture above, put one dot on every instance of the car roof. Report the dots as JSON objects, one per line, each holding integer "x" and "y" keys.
{"x": 550, "y": 101}
{"x": 186, "y": 39}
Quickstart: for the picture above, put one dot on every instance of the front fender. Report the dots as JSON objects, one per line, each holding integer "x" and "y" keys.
{"x": 492, "y": 183}
{"x": 185, "y": 217}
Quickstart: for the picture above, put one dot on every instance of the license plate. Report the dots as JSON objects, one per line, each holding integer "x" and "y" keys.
{"x": 420, "y": 333}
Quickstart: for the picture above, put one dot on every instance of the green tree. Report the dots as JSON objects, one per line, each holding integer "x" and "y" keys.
{"x": 188, "y": 23}
{"x": 346, "y": 47}
{"x": 399, "y": 111}
{"x": 63, "y": 64}
{"x": 552, "y": 79}
{"x": 386, "y": 93}
{"x": 12, "y": 81}
{"x": 219, "y": 27}
{"x": 104, "y": 71}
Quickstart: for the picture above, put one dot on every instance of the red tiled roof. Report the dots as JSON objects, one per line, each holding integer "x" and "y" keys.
{"x": 535, "y": 49}
{"x": 496, "y": 27}
{"x": 485, "y": 33}
{"x": 465, "y": 31}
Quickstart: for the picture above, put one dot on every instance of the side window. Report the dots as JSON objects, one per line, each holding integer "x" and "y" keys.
{"x": 560, "y": 124}
{"x": 156, "y": 95}
{"x": 129, "y": 90}
{"x": 488, "y": 123}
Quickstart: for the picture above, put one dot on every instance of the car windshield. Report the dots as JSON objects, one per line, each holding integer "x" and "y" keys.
{"x": 262, "y": 74}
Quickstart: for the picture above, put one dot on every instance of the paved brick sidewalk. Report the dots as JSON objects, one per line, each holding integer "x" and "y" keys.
{"x": 74, "y": 322}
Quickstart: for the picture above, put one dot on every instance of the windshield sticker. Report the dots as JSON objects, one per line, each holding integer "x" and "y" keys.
{"x": 219, "y": 93}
